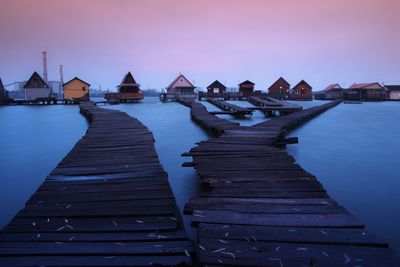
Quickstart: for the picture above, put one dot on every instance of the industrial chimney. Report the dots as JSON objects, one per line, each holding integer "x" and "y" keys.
{"x": 45, "y": 66}
{"x": 61, "y": 81}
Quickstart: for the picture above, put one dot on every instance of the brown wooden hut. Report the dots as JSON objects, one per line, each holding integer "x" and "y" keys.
{"x": 216, "y": 88}
{"x": 332, "y": 91}
{"x": 301, "y": 91}
{"x": 365, "y": 91}
{"x": 279, "y": 89}
{"x": 246, "y": 88}
{"x": 128, "y": 90}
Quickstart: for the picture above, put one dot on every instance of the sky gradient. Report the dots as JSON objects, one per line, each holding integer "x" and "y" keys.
{"x": 327, "y": 41}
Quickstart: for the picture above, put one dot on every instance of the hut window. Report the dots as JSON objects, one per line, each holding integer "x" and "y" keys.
{"x": 83, "y": 88}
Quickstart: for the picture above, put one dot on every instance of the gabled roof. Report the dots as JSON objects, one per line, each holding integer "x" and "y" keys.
{"x": 304, "y": 83}
{"x": 389, "y": 87}
{"x": 363, "y": 85}
{"x": 180, "y": 77}
{"x": 42, "y": 83}
{"x": 77, "y": 79}
{"x": 331, "y": 87}
{"x": 216, "y": 83}
{"x": 247, "y": 82}
{"x": 279, "y": 80}
{"x": 128, "y": 80}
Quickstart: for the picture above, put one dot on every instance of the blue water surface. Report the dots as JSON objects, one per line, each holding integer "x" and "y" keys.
{"x": 354, "y": 150}
{"x": 33, "y": 139}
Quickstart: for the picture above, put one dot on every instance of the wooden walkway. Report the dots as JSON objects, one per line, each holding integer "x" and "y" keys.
{"x": 229, "y": 108}
{"x": 107, "y": 203}
{"x": 269, "y": 106}
{"x": 260, "y": 208}
{"x": 207, "y": 120}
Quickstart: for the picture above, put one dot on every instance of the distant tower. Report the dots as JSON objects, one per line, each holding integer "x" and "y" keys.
{"x": 45, "y": 66}
{"x": 61, "y": 80}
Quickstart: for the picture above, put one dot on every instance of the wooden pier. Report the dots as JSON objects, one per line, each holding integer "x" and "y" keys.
{"x": 269, "y": 106}
{"x": 229, "y": 108}
{"x": 207, "y": 120}
{"x": 260, "y": 208}
{"x": 43, "y": 101}
{"x": 37, "y": 101}
{"x": 107, "y": 203}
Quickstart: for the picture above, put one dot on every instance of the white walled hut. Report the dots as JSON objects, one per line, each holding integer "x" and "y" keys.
{"x": 180, "y": 88}
{"x": 36, "y": 88}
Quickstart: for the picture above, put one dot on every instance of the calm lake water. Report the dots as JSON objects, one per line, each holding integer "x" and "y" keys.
{"x": 352, "y": 149}
{"x": 33, "y": 140}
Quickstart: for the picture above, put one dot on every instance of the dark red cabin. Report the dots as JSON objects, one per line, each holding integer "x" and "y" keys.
{"x": 301, "y": 91}
{"x": 246, "y": 88}
{"x": 216, "y": 88}
{"x": 279, "y": 89}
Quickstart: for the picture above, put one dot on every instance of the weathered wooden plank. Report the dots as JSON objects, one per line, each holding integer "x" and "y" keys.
{"x": 300, "y": 220}
{"x": 157, "y": 207}
{"x": 332, "y": 236}
{"x": 101, "y": 261}
{"x": 267, "y": 209}
{"x": 93, "y": 224}
{"x": 255, "y": 253}
{"x": 113, "y": 197}
{"x": 90, "y": 237}
{"x": 158, "y": 247}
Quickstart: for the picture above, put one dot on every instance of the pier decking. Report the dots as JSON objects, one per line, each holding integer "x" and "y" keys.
{"x": 207, "y": 120}
{"x": 269, "y": 106}
{"x": 229, "y": 108}
{"x": 261, "y": 208}
{"x": 107, "y": 203}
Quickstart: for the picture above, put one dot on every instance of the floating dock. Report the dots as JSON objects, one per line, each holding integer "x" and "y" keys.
{"x": 258, "y": 207}
{"x": 107, "y": 203}
{"x": 229, "y": 108}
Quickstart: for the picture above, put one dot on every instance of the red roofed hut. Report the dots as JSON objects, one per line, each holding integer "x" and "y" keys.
{"x": 332, "y": 91}
{"x": 365, "y": 91}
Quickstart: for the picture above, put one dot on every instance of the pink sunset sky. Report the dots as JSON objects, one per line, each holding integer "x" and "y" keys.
{"x": 321, "y": 41}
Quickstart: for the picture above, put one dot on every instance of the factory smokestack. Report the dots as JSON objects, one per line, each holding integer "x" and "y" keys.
{"x": 61, "y": 80}
{"x": 45, "y": 66}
